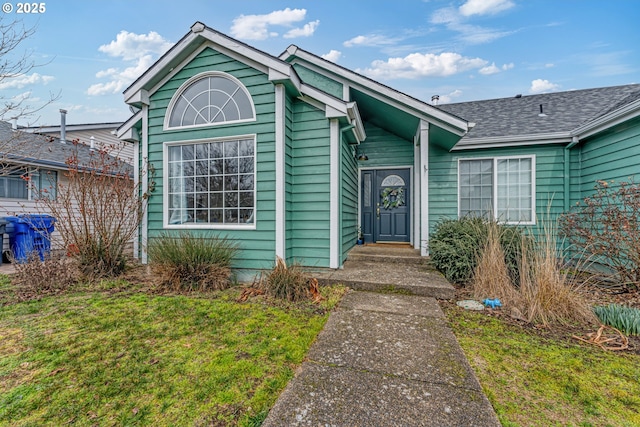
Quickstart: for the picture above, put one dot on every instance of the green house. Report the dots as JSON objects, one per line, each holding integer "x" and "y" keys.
{"x": 290, "y": 156}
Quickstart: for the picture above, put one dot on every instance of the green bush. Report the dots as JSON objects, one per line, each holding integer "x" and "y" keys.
{"x": 455, "y": 246}
{"x": 625, "y": 319}
{"x": 189, "y": 262}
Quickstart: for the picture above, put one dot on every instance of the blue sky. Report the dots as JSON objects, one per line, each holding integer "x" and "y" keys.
{"x": 462, "y": 50}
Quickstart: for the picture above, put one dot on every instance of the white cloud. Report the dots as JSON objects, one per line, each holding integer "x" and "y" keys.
{"x": 23, "y": 80}
{"x": 456, "y": 20}
{"x": 485, "y": 7}
{"x": 305, "y": 31}
{"x": 450, "y": 97}
{"x": 138, "y": 51}
{"x": 333, "y": 55}
{"x": 543, "y": 86}
{"x": 489, "y": 69}
{"x": 372, "y": 40}
{"x": 418, "y": 65}
{"x": 508, "y": 66}
{"x": 119, "y": 79}
{"x": 130, "y": 46}
{"x": 256, "y": 27}
{"x": 549, "y": 65}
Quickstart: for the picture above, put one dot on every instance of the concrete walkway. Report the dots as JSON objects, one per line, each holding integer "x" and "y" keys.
{"x": 384, "y": 360}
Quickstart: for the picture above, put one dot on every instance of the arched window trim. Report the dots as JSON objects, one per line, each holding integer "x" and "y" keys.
{"x": 207, "y": 74}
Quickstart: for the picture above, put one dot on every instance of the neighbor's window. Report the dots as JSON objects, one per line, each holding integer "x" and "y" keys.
{"x": 212, "y": 183}
{"x": 209, "y": 99}
{"x": 15, "y": 184}
{"x": 501, "y": 188}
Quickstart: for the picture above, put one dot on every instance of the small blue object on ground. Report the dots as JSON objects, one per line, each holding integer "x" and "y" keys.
{"x": 29, "y": 233}
{"x": 493, "y": 303}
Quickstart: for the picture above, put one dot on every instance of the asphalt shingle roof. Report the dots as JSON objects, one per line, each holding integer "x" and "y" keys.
{"x": 26, "y": 147}
{"x": 517, "y": 116}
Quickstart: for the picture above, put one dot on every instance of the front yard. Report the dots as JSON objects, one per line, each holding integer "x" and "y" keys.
{"x": 123, "y": 356}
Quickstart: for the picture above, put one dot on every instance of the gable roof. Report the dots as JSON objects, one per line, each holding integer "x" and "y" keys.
{"x": 24, "y": 147}
{"x": 520, "y": 120}
{"x": 200, "y": 37}
{"x": 373, "y": 89}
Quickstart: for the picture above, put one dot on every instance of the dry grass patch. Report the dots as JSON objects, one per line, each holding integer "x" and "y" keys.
{"x": 545, "y": 293}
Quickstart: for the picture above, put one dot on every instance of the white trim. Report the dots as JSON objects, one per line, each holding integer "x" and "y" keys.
{"x": 513, "y": 141}
{"x": 627, "y": 112}
{"x": 138, "y": 188}
{"x": 334, "y": 195}
{"x": 205, "y": 226}
{"x": 144, "y": 235}
{"x": 424, "y": 187}
{"x": 416, "y": 193}
{"x": 193, "y": 79}
{"x": 495, "y": 183}
{"x": 280, "y": 226}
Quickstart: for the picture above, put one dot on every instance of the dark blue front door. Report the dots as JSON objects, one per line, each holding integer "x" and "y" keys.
{"x": 386, "y": 205}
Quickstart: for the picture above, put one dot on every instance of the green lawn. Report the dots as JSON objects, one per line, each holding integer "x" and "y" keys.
{"x": 132, "y": 358}
{"x": 537, "y": 381}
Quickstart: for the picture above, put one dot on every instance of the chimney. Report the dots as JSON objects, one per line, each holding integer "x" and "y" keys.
{"x": 14, "y": 123}
{"x": 435, "y": 99}
{"x": 93, "y": 143}
{"x": 63, "y": 126}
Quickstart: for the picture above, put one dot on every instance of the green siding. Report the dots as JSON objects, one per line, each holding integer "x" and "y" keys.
{"x": 257, "y": 246}
{"x": 443, "y": 178}
{"x": 310, "y": 190}
{"x": 349, "y": 199}
{"x": 384, "y": 149}
{"x": 319, "y": 81}
{"x": 611, "y": 156}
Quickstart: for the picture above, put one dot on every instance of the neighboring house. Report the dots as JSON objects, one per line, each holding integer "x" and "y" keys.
{"x": 102, "y": 134}
{"x": 32, "y": 164}
{"x": 289, "y": 155}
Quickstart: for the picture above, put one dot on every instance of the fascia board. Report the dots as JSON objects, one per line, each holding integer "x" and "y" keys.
{"x": 627, "y": 112}
{"x": 514, "y": 141}
{"x": 126, "y": 127}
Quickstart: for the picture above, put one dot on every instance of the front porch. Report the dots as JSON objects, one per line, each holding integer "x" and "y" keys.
{"x": 392, "y": 268}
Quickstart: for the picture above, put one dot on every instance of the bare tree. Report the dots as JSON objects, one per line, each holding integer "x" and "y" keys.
{"x": 15, "y": 63}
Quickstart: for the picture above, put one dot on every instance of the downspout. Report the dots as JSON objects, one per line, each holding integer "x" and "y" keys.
{"x": 567, "y": 172}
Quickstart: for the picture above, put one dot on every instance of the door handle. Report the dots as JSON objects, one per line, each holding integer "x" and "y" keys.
{"x": 378, "y": 210}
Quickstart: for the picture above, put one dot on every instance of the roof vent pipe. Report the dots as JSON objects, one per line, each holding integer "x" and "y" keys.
{"x": 63, "y": 125}
{"x": 14, "y": 123}
{"x": 541, "y": 114}
{"x": 435, "y": 99}
{"x": 93, "y": 144}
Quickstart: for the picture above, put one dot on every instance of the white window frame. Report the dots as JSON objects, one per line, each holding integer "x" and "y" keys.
{"x": 494, "y": 185}
{"x": 185, "y": 85}
{"x": 202, "y": 225}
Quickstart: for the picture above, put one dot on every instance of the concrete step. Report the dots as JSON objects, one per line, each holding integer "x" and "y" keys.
{"x": 388, "y": 254}
{"x": 414, "y": 279}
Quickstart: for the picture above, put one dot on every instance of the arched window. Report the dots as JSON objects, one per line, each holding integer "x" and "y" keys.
{"x": 392, "y": 181}
{"x": 209, "y": 99}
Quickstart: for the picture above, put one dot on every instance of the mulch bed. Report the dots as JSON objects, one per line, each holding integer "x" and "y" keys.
{"x": 594, "y": 295}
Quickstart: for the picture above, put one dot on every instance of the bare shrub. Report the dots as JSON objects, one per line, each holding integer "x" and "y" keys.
{"x": 98, "y": 210}
{"x": 606, "y": 227}
{"x": 35, "y": 279}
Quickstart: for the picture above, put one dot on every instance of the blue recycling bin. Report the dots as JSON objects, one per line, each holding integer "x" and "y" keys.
{"x": 28, "y": 234}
